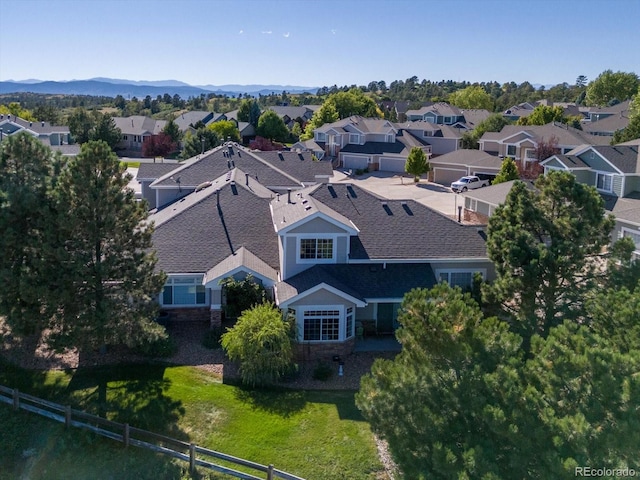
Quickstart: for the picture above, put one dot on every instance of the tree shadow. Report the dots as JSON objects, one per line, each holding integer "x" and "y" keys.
{"x": 279, "y": 401}
{"x": 133, "y": 394}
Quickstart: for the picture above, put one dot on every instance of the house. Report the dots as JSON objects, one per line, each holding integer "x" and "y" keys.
{"x": 442, "y": 138}
{"x": 163, "y": 184}
{"x": 135, "y": 130}
{"x": 360, "y": 143}
{"x": 480, "y": 204}
{"x": 187, "y": 120}
{"x": 439, "y": 113}
{"x": 448, "y": 168}
{"x": 332, "y": 255}
{"x": 609, "y": 125}
{"x": 290, "y": 115}
{"x": 596, "y": 114}
{"x": 520, "y": 141}
{"x": 57, "y": 137}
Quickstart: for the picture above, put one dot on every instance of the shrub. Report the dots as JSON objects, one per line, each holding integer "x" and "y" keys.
{"x": 162, "y": 347}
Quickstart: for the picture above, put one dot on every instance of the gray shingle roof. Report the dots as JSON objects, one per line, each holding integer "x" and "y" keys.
{"x": 399, "y": 229}
{"x": 607, "y": 125}
{"x": 362, "y": 281}
{"x": 570, "y": 161}
{"x": 241, "y": 258}
{"x": 297, "y": 164}
{"x": 494, "y": 194}
{"x": 152, "y": 171}
{"x": 39, "y": 128}
{"x": 193, "y": 235}
{"x": 138, "y": 125}
{"x": 467, "y": 157}
{"x": 565, "y": 134}
{"x": 626, "y": 209}
{"x": 216, "y": 162}
{"x": 623, "y": 157}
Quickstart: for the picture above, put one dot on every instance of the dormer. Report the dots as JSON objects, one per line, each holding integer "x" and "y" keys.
{"x": 309, "y": 232}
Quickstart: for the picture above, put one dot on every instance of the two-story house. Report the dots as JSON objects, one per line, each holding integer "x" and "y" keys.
{"x": 521, "y": 141}
{"x": 360, "y": 143}
{"x": 333, "y": 255}
{"x": 615, "y": 172}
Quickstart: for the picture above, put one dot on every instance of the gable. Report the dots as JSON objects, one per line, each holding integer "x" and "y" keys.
{"x": 553, "y": 162}
{"x": 318, "y": 225}
{"x": 596, "y": 162}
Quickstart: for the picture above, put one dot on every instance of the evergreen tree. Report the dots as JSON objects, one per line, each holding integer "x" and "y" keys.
{"x": 27, "y": 170}
{"x": 546, "y": 247}
{"x": 508, "y": 171}
{"x": 196, "y": 143}
{"x": 172, "y": 130}
{"x": 417, "y": 164}
{"x": 104, "y": 283}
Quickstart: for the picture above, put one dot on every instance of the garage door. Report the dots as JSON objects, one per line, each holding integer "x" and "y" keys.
{"x": 355, "y": 162}
{"x": 446, "y": 176}
{"x": 392, "y": 164}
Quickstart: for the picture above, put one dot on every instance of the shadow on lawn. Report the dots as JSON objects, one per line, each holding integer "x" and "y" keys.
{"x": 133, "y": 394}
{"x": 281, "y": 402}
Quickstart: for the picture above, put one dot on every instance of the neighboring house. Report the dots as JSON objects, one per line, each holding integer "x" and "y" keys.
{"x": 290, "y": 115}
{"x": 596, "y": 114}
{"x": 360, "y": 143}
{"x": 480, "y": 204}
{"x": 187, "y": 120}
{"x": 627, "y": 213}
{"x": 333, "y": 255}
{"x": 277, "y": 171}
{"x": 609, "y": 125}
{"x": 135, "y": 131}
{"x": 57, "y": 137}
{"x": 448, "y": 168}
{"x": 442, "y": 138}
{"x": 440, "y": 113}
{"x": 520, "y": 141}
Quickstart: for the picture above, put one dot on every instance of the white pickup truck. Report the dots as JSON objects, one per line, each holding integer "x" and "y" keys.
{"x": 468, "y": 183}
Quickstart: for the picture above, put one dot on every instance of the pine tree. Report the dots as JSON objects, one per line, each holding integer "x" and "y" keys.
{"x": 508, "y": 171}
{"x": 26, "y": 176}
{"x": 104, "y": 281}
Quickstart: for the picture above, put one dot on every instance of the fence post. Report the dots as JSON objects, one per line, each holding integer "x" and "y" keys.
{"x": 16, "y": 399}
{"x": 67, "y": 416}
{"x": 270, "y": 472}
{"x": 125, "y": 436}
{"x": 192, "y": 457}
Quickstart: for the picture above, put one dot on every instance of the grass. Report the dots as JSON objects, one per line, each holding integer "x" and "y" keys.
{"x": 314, "y": 434}
{"x": 130, "y": 164}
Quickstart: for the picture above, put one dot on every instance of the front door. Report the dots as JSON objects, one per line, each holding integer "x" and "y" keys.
{"x": 387, "y": 316}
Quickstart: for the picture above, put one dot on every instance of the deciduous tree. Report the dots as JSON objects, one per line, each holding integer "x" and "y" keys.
{"x": 417, "y": 163}
{"x": 472, "y": 97}
{"x": 262, "y": 342}
{"x": 160, "y": 145}
{"x": 611, "y": 86}
{"x": 271, "y": 126}
{"x": 226, "y": 130}
{"x": 542, "y": 115}
{"x": 508, "y": 171}
{"x": 196, "y": 143}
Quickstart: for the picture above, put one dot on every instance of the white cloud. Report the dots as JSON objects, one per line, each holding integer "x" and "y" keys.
{"x": 240, "y": 32}
{"x": 286, "y": 35}
{"x": 267, "y": 32}
{"x": 333, "y": 31}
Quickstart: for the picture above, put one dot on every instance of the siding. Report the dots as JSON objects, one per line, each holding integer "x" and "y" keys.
{"x": 322, "y": 297}
{"x": 617, "y": 185}
{"x": 631, "y": 184}
{"x": 317, "y": 225}
{"x": 596, "y": 162}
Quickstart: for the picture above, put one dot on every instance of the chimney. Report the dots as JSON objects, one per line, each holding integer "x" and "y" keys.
{"x": 43, "y": 123}
{"x": 246, "y": 179}
{"x": 288, "y": 195}
{"x": 30, "y": 123}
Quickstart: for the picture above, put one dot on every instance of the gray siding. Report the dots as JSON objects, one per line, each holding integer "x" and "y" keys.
{"x": 631, "y": 184}
{"x": 317, "y": 225}
{"x": 169, "y": 195}
{"x": 617, "y": 185}
{"x": 478, "y": 265}
{"x": 440, "y": 146}
{"x": 596, "y": 162}
{"x": 148, "y": 194}
{"x": 322, "y": 297}
{"x": 585, "y": 176}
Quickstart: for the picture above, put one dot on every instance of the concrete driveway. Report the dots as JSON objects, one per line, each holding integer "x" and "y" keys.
{"x": 401, "y": 187}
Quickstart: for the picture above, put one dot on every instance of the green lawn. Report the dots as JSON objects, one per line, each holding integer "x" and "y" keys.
{"x": 317, "y": 435}
{"x": 130, "y": 164}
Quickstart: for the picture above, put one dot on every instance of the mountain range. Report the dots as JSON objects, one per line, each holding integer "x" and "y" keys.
{"x": 111, "y": 87}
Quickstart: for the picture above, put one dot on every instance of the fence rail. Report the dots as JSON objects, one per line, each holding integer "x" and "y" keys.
{"x": 124, "y": 433}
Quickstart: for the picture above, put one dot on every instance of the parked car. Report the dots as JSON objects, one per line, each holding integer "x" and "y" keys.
{"x": 468, "y": 183}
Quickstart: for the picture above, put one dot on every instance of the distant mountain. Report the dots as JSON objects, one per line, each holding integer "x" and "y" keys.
{"x": 109, "y": 87}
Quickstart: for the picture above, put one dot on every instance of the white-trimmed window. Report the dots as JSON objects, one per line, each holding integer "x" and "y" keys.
{"x": 604, "y": 182}
{"x": 354, "y": 138}
{"x": 458, "y": 277}
{"x": 633, "y": 235}
{"x": 321, "y": 325}
{"x": 349, "y": 322}
{"x": 184, "y": 291}
{"x": 320, "y": 137}
{"x": 530, "y": 154}
{"x": 511, "y": 150}
{"x": 316, "y": 249}
{"x": 427, "y": 133}
{"x": 447, "y": 120}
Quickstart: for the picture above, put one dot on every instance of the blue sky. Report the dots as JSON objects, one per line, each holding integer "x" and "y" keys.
{"x": 317, "y": 43}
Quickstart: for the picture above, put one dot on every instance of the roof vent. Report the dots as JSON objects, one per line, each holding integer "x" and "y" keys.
{"x": 308, "y": 207}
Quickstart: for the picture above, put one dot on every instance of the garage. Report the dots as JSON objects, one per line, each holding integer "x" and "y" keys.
{"x": 446, "y": 176}
{"x": 355, "y": 162}
{"x": 391, "y": 164}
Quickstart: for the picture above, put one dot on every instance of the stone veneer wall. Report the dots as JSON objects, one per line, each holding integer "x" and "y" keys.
{"x": 215, "y": 318}
{"x": 324, "y": 351}
{"x": 474, "y": 217}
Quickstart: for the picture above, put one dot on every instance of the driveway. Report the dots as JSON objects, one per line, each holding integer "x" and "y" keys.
{"x": 401, "y": 187}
